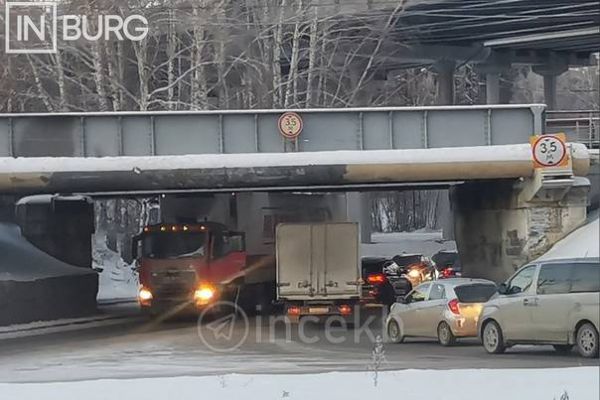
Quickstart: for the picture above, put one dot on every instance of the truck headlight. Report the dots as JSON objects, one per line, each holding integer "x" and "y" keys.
{"x": 204, "y": 293}
{"x": 145, "y": 296}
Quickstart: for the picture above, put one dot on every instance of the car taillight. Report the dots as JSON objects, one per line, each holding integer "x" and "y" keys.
{"x": 345, "y": 309}
{"x": 447, "y": 272}
{"x": 293, "y": 310}
{"x": 376, "y": 279}
{"x": 453, "y": 306}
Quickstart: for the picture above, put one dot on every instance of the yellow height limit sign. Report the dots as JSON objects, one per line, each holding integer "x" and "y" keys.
{"x": 549, "y": 151}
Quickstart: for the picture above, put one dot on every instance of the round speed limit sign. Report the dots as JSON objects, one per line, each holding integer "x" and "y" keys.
{"x": 549, "y": 151}
{"x": 290, "y": 125}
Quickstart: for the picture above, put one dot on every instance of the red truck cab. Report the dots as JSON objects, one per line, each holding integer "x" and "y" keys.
{"x": 188, "y": 266}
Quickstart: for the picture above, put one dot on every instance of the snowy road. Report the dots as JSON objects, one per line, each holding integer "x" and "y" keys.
{"x": 143, "y": 349}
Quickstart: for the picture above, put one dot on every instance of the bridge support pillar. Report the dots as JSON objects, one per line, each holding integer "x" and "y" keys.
{"x": 492, "y": 71}
{"x": 500, "y": 225}
{"x": 359, "y": 210}
{"x": 550, "y": 72}
{"x": 445, "y": 81}
{"x": 7, "y": 209}
{"x": 492, "y": 87}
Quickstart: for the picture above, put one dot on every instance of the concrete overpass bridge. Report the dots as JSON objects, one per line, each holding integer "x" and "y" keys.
{"x": 505, "y": 210}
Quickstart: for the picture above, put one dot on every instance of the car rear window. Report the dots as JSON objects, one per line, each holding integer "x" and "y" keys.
{"x": 475, "y": 293}
{"x": 404, "y": 261}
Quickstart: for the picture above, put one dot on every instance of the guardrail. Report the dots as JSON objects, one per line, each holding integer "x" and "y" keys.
{"x": 257, "y": 131}
{"x": 579, "y": 126}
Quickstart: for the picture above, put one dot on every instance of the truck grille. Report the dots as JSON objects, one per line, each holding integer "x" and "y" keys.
{"x": 173, "y": 283}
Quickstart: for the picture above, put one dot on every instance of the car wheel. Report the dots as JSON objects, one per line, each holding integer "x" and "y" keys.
{"x": 493, "y": 341}
{"x": 563, "y": 348}
{"x": 394, "y": 331}
{"x": 445, "y": 335}
{"x": 587, "y": 341}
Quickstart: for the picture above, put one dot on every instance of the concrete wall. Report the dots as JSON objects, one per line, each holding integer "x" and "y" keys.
{"x": 7, "y": 208}
{"x": 496, "y": 233}
{"x": 59, "y": 226}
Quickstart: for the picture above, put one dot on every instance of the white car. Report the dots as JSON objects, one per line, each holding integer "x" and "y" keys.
{"x": 550, "y": 302}
{"x": 447, "y": 309}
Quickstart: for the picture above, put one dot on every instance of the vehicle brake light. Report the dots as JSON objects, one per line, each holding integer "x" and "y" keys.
{"x": 376, "y": 279}
{"x": 345, "y": 309}
{"x": 293, "y": 310}
{"x": 453, "y": 306}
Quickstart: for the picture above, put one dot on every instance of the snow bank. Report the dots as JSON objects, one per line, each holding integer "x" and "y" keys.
{"x": 118, "y": 280}
{"x": 422, "y": 242}
{"x": 21, "y": 261}
{"x": 48, "y": 198}
{"x": 544, "y": 384}
{"x": 582, "y": 243}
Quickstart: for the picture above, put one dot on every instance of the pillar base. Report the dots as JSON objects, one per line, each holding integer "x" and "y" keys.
{"x": 497, "y": 232}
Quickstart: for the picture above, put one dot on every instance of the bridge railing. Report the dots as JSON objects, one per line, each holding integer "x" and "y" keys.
{"x": 579, "y": 126}
{"x": 256, "y": 131}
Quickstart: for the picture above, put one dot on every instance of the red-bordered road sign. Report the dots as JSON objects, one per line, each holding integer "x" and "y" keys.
{"x": 290, "y": 125}
{"x": 549, "y": 151}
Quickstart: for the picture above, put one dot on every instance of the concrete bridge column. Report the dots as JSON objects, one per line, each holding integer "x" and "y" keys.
{"x": 359, "y": 210}
{"x": 492, "y": 71}
{"x": 498, "y": 229}
{"x": 7, "y": 208}
{"x": 445, "y": 81}
{"x": 550, "y": 72}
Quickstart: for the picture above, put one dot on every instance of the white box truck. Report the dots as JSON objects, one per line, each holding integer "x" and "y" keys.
{"x": 318, "y": 268}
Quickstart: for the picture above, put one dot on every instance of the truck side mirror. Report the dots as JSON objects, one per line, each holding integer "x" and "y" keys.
{"x": 135, "y": 242}
{"x": 237, "y": 242}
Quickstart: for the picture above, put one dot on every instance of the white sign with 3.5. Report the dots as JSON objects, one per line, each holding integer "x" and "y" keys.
{"x": 549, "y": 151}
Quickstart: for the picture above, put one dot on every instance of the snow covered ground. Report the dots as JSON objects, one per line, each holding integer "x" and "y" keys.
{"x": 118, "y": 280}
{"x": 580, "y": 383}
{"x": 420, "y": 242}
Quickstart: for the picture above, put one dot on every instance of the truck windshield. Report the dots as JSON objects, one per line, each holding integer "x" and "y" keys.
{"x": 174, "y": 245}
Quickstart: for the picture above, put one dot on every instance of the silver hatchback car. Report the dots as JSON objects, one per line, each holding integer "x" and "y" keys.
{"x": 447, "y": 309}
{"x": 548, "y": 302}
